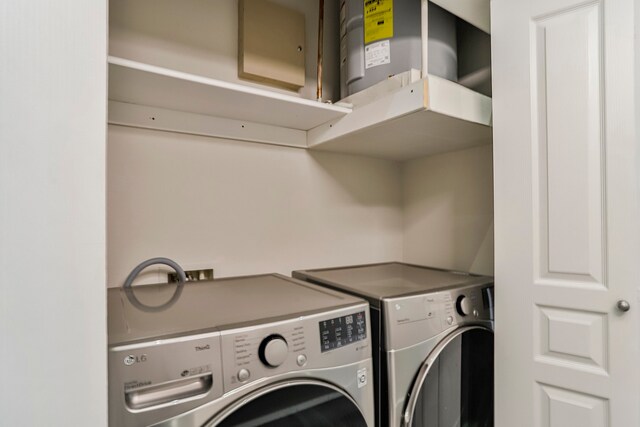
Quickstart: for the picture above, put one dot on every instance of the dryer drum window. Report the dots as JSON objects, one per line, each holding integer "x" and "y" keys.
{"x": 458, "y": 388}
{"x": 298, "y": 405}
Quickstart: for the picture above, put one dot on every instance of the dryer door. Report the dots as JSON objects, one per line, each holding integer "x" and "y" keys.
{"x": 454, "y": 386}
{"x": 300, "y": 403}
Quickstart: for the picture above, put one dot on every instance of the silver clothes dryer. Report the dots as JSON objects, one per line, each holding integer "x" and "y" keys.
{"x": 251, "y": 351}
{"x": 433, "y": 341}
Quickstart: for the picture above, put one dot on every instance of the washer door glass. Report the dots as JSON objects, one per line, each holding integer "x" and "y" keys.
{"x": 455, "y": 385}
{"x": 306, "y": 403}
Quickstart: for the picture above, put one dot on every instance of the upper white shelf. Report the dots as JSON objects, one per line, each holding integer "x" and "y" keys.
{"x": 430, "y": 116}
{"x": 143, "y": 84}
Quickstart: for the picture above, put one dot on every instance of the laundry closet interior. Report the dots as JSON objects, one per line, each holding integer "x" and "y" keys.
{"x": 212, "y": 170}
{"x": 237, "y": 144}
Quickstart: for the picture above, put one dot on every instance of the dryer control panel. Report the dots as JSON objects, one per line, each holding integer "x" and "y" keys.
{"x": 334, "y": 338}
{"x": 412, "y": 319}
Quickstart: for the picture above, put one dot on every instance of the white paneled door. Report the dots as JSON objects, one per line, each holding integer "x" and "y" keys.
{"x": 567, "y": 212}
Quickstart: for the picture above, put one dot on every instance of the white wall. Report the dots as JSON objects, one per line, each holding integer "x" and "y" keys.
{"x": 245, "y": 208}
{"x": 448, "y": 210}
{"x": 52, "y": 213}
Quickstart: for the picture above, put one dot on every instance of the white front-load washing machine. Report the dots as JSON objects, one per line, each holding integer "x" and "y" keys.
{"x": 433, "y": 339}
{"x": 251, "y": 351}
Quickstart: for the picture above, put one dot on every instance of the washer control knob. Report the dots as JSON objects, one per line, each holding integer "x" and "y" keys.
{"x": 450, "y": 320}
{"x": 301, "y": 360}
{"x": 273, "y": 350}
{"x": 463, "y": 305}
{"x": 243, "y": 375}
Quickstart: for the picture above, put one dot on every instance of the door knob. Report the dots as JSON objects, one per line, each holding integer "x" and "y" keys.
{"x": 623, "y": 305}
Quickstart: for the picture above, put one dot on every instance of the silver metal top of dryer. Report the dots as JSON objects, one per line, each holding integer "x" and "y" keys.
{"x": 165, "y": 310}
{"x": 376, "y": 282}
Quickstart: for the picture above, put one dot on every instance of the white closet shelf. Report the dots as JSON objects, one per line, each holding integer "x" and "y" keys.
{"x": 149, "y": 85}
{"x": 426, "y": 117}
{"x": 429, "y": 116}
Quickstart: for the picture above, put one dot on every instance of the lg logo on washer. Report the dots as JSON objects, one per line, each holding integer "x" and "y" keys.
{"x": 131, "y": 359}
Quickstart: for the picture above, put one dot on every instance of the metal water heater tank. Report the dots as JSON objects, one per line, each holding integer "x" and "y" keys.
{"x": 383, "y": 38}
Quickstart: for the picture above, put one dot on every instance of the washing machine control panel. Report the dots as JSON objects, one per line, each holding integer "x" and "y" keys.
{"x": 416, "y": 318}
{"x": 309, "y": 342}
{"x": 343, "y": 330}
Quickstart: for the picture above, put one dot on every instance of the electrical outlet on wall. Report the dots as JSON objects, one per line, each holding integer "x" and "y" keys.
{"x": 192, "y": 275}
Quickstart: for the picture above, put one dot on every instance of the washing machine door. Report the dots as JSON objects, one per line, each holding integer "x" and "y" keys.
{"x": 454, "y": 386}
{"x": 299, "y": 403}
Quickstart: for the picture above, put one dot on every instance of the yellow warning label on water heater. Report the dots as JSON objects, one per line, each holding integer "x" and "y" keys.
{"x": 378, "y": 20}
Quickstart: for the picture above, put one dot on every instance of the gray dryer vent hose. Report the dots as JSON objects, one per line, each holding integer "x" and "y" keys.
{"x": 182, "y": 277}
{"x": 128, "y": 289}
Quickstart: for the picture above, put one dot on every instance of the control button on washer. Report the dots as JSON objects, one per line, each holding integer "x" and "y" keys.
{"x": 273, "y": 350}
{"x": 243, "y": 375}
{"x": 301, "y": 360}
{"x": 450, "y": 320}
{"x": 475, "y": 313}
